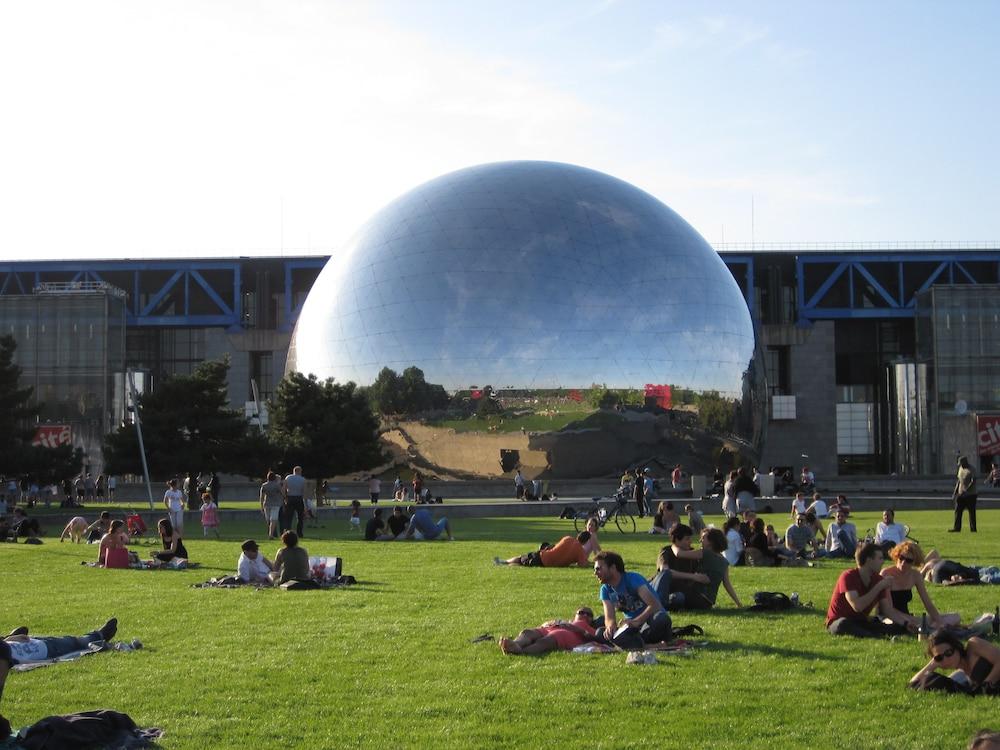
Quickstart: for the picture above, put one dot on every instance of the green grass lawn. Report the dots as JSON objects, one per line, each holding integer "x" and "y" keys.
{"x": 389, "y": 663}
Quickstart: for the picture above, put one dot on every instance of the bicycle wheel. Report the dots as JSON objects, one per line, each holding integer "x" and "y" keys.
{"x": 579, "y": 523}
{"x": 625, "y": 522}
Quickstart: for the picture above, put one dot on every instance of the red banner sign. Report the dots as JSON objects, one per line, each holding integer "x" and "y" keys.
{"x": 989, "y": 435}
{"x": 53, "y": 435}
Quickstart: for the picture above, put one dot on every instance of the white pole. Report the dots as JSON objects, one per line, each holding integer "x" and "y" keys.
{"x": 138, "y": 429}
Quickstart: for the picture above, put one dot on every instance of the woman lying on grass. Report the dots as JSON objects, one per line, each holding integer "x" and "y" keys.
{"x": 905, "y": 575}
{"x": 555, "y": 635}
{"x": 976, "y": 665}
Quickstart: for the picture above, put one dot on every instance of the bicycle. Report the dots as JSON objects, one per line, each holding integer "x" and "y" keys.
{"x": 620, "y": 514}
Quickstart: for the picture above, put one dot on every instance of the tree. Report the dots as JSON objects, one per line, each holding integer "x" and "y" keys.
{"x": 17, "y": 415}
{"x": 187, "y": 425}
{"x": 715, "y": 413}
{"x": 326, "y": 427}
{"x": 408, "y": 393}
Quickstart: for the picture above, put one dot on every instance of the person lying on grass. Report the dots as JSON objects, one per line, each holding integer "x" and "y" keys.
{"x": 20, "y": 647}
{"x": 976, "y": 665}
{"x": 905, "y": 576}
{"x": 252, "y": 566}
{"x": 567, "y": 551}
{"x": 947, "y": 572}
{"x": 630, "y": 594}
{"x": 555, "y": 635}
{"x": 857, "y": 592}
{"x": 710, "y": 564}
{"x": 422, "y": 522}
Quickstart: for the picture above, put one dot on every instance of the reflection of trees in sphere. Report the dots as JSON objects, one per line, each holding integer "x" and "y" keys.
{"x": 532, "y": 276}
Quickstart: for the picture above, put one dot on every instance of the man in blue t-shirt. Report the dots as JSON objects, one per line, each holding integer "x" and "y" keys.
{"x": 423, "y": 522}
{"x": 630, "y": 594}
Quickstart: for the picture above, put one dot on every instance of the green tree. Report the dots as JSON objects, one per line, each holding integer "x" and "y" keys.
{"x": 715, "y": 413}
{"x": 17, "y": 418}
{"x": 328, "y": 428}
{"x": 187, "y": 425}
{"x": 408, "y": 393}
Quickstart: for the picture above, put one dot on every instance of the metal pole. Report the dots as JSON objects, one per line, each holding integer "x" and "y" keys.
{"x": 138, "y": 429}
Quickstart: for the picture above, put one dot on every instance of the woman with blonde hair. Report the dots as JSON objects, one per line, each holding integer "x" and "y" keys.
{"x": 908, "y": 559}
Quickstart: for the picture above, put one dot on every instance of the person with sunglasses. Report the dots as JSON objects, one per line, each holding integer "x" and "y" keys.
{"x": 905, "y": 576}
{"x": 555, "y": 635}
{"x": 976, "y": 666}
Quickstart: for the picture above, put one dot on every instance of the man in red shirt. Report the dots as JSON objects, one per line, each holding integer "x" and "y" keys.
{"x": 857, "y": 592}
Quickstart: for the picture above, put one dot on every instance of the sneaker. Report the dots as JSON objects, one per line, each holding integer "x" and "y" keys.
{"x": 498, "y": 561}
{"x": 22, "y": 630}
{"x": 954, "y": 531}
{"x": 109, "y": 629}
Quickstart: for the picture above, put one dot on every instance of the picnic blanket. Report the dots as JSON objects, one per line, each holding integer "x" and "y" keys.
{"x": 93, "y": 648}
{"x": 232, "y": 582}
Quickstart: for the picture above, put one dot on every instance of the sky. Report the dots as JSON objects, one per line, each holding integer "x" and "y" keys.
{"x": 134, "y": 128}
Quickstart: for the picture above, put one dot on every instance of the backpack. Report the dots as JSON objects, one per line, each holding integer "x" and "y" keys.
{"x": 770, "y": 601}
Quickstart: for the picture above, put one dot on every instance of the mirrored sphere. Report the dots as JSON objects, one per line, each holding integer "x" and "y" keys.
{"x": 546, "y": 281}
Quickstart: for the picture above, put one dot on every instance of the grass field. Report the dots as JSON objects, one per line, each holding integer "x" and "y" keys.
{"x": 389, "y": 662}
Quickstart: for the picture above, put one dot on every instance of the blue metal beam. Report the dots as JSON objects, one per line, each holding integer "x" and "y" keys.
{"x": 164, "y": 290}
{"x": 200, "y": 280}
{"x": 892, "y": 302}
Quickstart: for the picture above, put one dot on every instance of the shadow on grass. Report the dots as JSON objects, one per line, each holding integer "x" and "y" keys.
{"x": 769, "y": 650}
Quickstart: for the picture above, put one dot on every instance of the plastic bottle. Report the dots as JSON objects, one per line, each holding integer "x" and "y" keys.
{"x": 922, "y": 633}
{"x": 996, "y": 623}
{"x": 794, "y": 598}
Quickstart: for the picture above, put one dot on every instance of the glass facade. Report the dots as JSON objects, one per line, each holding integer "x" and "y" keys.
{"x": 69, "y": 345}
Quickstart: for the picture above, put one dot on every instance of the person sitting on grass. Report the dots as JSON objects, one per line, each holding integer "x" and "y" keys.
{"x": 857, "y": 592}
{"x": 567, "y": 551}
{"x": 375, "y": 528}
{"x": 422, "y": 523}
{"x": 682, "y": 563}
{"x": 22, "y": 525}
{"x": 888, "y": 533}
{"x": 170, "y": 538}
{"x": 818, "y": 506}
{"x": 976, "y": 664}
{"x": 20, "y": 647}
{"x": 630, "y": 594}
{"x": 905, "y": 576}
{"x": 840, "y": 504}
{"x": 695, "y": 521}
{"x": 555, "y": 635}
{"x": 112, "y": 552}
{"x": 292, "y": 561}
{"x": 664, "y": 518}
{"x": 592, "y": 546}
{"x": 700, "y": 590}
{"x": 252, "y": 566}
{"x": 735, "y": 545}
{"x": 841, "y": 536}
{"x": 98, "y": 528}
{"x": 397, "y": 522}
{"x": 76, "y": 530}
{"x": 800, "y": 537}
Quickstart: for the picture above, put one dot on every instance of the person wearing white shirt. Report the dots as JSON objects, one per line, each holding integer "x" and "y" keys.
{"x": 818, "y": 506}
{"x": 798, "y": 505}
{"x": 253, "y": 567}
{"x": 888, "y": 533}
{"x": 841, "y": 537}
{"x": 173, "y": 499}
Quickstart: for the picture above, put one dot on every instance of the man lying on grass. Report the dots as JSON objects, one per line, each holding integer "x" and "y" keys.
{"x": 20, "y": 647}
{"x": 555, "y": 635}
{"x": 567, "y": 551}
{"x": 857, "y": 592}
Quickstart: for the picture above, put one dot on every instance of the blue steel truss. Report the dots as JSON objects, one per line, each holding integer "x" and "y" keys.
{"x": 869, "y": 285}
{"x": 160, "y": 293}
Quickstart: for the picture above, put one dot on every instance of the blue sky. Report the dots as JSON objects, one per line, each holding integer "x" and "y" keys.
{"x": 204, "y": 128}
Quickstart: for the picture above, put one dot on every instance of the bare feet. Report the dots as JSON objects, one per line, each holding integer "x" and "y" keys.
{"x": 509, "y": 647}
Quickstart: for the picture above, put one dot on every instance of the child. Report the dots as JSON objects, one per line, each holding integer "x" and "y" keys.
{"x": 355, "y": 515}
{"x": 209, "y": 514}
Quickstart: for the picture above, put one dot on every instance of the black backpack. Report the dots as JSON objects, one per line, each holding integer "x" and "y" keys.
{"x": 770, "y": 601}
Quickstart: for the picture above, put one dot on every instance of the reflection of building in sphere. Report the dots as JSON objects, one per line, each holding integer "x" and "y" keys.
{"x": 544, "y": 280}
